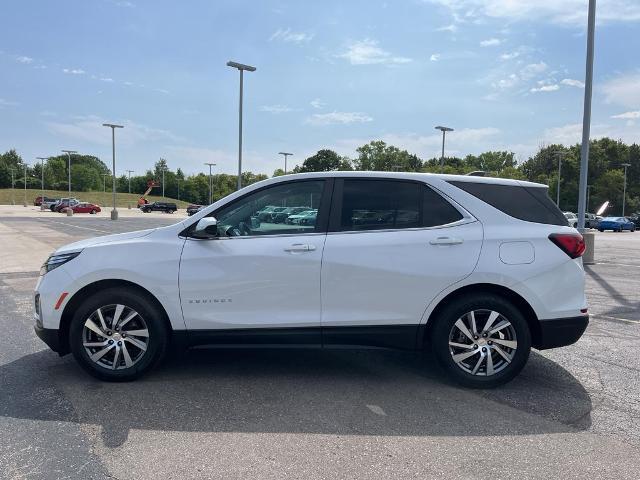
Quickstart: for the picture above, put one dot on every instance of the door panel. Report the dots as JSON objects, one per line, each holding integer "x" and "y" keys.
{"x": 389, "y": 277}
{"x": 251, "y": 282}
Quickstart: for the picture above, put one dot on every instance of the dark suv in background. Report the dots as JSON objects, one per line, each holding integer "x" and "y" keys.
{"x": 166, "y": 207}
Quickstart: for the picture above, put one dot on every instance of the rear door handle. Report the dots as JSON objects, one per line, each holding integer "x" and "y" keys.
{"x": 446, "y": 241}
{"x": 300, "y": 247}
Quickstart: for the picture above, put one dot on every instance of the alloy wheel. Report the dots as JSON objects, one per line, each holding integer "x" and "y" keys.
{"x": 482, "y": 342}
{"x": 115, "y": 337}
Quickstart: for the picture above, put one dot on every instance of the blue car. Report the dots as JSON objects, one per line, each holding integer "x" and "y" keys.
{"x": 617, "y": 224}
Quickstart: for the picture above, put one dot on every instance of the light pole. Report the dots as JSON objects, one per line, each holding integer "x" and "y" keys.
{"x": 444, "y": 131}
{"x": 130, "y": 172}
{"x": 163, "y": 169}
{"x": 588, "y": 195}
{"x": 240, "y": 68}
{"x": 104, "y": 182}
{"x": 210, "y": 182}
{"x": 113, "y": 126}
{"x": 13, "y": 188}
{"x": 178, "y": 180}
{"x": 286, "y": 155}
{"x": 624, "y": 189}
{"x": 25, "y": 184}
{"x": 42, "y": 159}
{"x": 559, "y": 154}
{"x": 69, "y": 152}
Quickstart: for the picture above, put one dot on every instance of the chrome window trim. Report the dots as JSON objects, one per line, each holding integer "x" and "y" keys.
{"x": 462, "y": 221}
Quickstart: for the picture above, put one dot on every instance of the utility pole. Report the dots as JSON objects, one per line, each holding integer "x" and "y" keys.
{"x": 624, "y": 189}
{"x": 42, "y": 159}
{"x": 25, "y": 184}
{"x": 444, "y": 131}
{"x": 559, "y": 154}
{"x": 130, "y": 172}
{"x": 69, "y": 152}
{"x": 285, "y": 154}
{"x": 210, "y": 182}
{"x": 241, "y": 68}
{"x": 13, "y": 188}
{"x": 113, "y": 126}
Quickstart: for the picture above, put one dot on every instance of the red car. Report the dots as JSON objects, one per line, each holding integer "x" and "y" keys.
{"x": 83, "y": 207}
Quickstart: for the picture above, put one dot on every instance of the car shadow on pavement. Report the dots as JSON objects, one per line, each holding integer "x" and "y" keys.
{"x": 342, "y": 392}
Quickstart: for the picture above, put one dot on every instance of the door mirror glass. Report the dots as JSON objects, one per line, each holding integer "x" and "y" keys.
{"x": 206, "y": 227}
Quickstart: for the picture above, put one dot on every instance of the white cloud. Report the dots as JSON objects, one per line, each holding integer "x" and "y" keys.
{"x": 24, "y": 59}
{"x": 623, "y": 90}
{"x": 453, "y": 28}
{"x": 546, "y": 88}
{"x": 161, "y": 90}
{"x": 286, "y": 35}
{"x": 342, "y": 118}
{"x": 90, "y": 129}
{"x": 435, "y": 57}
{"x": 367, "y": 52}
{"x": 317, "y": 103}
{"x": 567, "y": 12}
{"x": 628, "y": 115}
{"x": 7, "y": 103}
{"x": 106, "y": 79}
{"x": 510, "y": 55}
{"x": 491, "y": 42}
{"x": 275, "y": 109}
{"x": 74, "y": 71}
{"x": 533, "y": 69}
{"x": 572, "y": 83}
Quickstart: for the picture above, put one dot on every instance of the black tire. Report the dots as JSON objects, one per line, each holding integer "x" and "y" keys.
{"x": 600, "y": 230}
{"x": 92, "y": 212}
{"x": 155, "y": 324}
{"x": 439, "y": 340}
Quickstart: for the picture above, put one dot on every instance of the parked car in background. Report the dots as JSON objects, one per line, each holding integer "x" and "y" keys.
{"x": 193, "y": 208}
{"x": 63, "y": 203}
{"x": 38, "y": 201}
{"x": 84, "y": 207}
{"x": 572, "y": 219}
{"x": 295, "y": 218}
{"x": 635, "y": 218}
{"x": 477, "y": 269}
{"x": 49, "y": 202}
{"x": 590, "y": 220}
{"x": 166, "y": 207}
{"x": 309, "y": 218}
{"x": 264, "y": 214}
{"x": 617, "y": 224}
{"x": 281, "y": 217}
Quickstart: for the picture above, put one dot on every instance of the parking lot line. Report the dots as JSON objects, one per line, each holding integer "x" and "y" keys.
{"x": 617, "y": 264}
{"x": 76, "y": 226}
{"x": 609, "y": 317}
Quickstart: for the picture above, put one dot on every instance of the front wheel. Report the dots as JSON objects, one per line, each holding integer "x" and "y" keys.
{"x": 482, "y": 341}
{"x": 118, "y": 335}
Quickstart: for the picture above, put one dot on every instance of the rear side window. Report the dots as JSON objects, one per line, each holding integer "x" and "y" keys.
{"x": 531, "y": 204}
{"x": 385, "y": 204}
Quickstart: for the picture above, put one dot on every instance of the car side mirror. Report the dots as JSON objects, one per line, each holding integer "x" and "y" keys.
{"x": 206, "y": 227}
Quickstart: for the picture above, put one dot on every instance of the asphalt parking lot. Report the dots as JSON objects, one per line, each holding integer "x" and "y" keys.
{"x": 572, "y": 413}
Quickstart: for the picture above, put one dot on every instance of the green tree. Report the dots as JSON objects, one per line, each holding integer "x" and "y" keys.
{"x": 379, "y": 156}
{"x": 324, "y": 161}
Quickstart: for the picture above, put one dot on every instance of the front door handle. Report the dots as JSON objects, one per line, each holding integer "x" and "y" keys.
{"x": 300, "y": 247}
{"x": 446, "y": 241}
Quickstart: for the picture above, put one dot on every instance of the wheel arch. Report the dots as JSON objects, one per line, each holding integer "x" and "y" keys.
{"x": 88, "y": 290}
{"x": 513, "y": 297}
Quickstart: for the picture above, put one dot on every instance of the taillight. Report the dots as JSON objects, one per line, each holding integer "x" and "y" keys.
{"x": 570, "y": 243}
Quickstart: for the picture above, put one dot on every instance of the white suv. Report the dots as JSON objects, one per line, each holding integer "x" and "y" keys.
{"x": 478, "y": 269}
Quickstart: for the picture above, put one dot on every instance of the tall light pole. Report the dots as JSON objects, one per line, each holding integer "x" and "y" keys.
{"x": 113, "y": 126}
{"x": 104, "y": 182}
{"x": 130, "y": 172}
{"x": 163, "y": 170}
{"x": 444, "y": 131}
{"x": 586, "y": 118}
{"x": 285, "y": 155}
{"x": 13, "y": 188}
{"x": 69, "y": 152}
{"x": 624, "y": 189}
{"x": 42, "y": 159}
{"x": 588, "y": 195}
{"x": 25, "y": 184}
{"x": 559, "y": 154}
{"x": 210, "y": 182}
{"x": 241, "y": 68}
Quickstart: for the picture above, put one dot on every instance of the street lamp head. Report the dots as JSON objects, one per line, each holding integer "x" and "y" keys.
{"x": 42, "y": 158}
{"x": 444, "y": 129}
{"x": 69, "y": 151}
{"x": 284, "y": 153}
{"x": 626, "y": 164}
{"x": 112, "y": 125}
{"x": 241, "y": 66}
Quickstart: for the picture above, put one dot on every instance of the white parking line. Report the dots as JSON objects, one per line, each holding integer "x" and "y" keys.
{"x": 377, "y": 410}
{"x": 616, "y": 318}
{"x": 617, "y": 264}
{"x": 76, "y": 226}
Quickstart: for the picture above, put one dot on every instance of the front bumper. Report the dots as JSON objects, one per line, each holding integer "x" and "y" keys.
{"x": 50, "y": 336}
{"x": 559, "y": 332}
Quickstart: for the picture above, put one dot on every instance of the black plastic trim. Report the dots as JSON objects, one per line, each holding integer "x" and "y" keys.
{"x": 560, "y": 332}
{"x": 50, "y": 336}
{"x": 402, "y": 337}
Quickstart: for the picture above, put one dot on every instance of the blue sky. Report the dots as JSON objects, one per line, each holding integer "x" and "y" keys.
{"x": 506, "y": 74}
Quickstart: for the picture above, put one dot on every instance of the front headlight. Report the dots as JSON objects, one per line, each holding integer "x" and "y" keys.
{"x": 55, "y": 260}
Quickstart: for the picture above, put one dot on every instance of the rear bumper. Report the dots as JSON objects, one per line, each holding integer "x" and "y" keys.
{"x": 50, "y": 336}
{"x": 559, "y": 332}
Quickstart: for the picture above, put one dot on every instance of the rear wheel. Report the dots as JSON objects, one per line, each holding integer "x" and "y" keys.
{"x": 482, "y": 341}
{"x": 93, "y": 212}
{"x": 118, "y": 335}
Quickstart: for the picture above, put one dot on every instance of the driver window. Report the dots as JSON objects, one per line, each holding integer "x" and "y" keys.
{"x": 289, "y": 208}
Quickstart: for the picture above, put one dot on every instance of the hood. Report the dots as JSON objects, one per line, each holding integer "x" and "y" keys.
{"x": 89, "y": 242}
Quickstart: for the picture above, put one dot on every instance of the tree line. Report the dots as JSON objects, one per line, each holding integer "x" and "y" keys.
{"x": 605, "y": 179}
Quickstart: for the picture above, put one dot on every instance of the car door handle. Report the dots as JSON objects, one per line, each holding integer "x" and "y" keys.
{"x": 300, "y": 247}
{"x": 446, "y": 241}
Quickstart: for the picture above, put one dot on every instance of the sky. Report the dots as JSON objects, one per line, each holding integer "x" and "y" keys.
{"x": 505, "y": 74}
